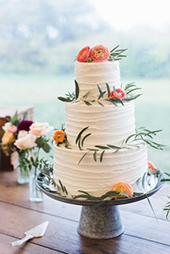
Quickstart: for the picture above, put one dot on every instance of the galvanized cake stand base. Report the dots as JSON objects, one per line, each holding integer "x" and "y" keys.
{"x": 98, "y": 221}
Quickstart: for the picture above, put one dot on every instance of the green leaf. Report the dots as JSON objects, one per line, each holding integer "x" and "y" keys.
{"x": 101, "y": 92}
{"x": 64, "y": 99}
{"x": 95, "y": 156}
{"x": 101, "y": 156}
{"x": 87, "y": 103}
{"x": 46, "y": 148}
{"x": 86, "y": 136}
{"x": 76, "y": 90}
{"x": 80, "y": 133}
{"x": 102, "y": 147}
{"x": 108, "y": 89}
{"x": 14, "y": 119}
{"x": 85, "y": 95}
{"x": 82, "y": 158}
{"x": 100, "y": 103}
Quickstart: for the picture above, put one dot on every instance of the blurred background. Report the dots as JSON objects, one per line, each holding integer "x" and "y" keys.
{"x": 39, "y": 41}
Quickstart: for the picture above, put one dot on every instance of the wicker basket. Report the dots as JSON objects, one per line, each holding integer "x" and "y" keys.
{"x": 6, "y": 113}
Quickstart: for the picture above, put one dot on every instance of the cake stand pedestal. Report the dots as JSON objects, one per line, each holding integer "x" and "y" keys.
{"x": 98, "y": 221}
{"x": 101, "y": 222}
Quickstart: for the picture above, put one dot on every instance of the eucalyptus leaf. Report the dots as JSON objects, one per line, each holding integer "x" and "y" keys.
{"x": 80, "y": 133}
{"x": 76, "y": 90}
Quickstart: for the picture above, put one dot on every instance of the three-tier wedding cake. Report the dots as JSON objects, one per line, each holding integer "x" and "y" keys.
{"x": 97, "y": 148}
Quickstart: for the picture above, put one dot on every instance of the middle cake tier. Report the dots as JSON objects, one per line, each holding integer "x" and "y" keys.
{"x": 108, "y": 124}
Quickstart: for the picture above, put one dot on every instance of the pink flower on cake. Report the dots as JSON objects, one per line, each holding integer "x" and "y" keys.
{"x": 83, "y": 54}
{"x": 26, "y": 142}
{"x": 40, "y": 129}
{"x": 118, "y": 94}
{"x": 123, "y": 187}
{"x": 99, "y": 53}
{"x": 151, "y": 167}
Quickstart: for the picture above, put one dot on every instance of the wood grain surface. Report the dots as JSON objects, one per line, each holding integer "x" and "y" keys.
{"x": 143, "y": 234}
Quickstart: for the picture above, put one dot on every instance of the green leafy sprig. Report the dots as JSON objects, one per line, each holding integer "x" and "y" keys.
{"x": 167, "y": 208}
{"x": 62, "y": 188}
{"x": 74, "y": 96}
{"x": 143, "y": 134}
{"x": 71, "y": 96}
{"x": 129, "y": 89}
{"x": 116, "y": 54}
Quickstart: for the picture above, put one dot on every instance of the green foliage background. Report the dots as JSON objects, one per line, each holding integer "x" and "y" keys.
{"x": 44, "y": 36}
{"x": 39, "y": 40}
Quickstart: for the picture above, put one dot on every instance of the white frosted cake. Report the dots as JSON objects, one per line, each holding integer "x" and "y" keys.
{"x": 94, "y": 154}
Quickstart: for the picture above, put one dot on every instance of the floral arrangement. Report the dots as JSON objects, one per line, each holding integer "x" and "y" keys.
{"x": 99, "y": 53}
{"x": 31, "y": 142}
{"x": 26, "y": 138}
{"x": 12, "y": 130}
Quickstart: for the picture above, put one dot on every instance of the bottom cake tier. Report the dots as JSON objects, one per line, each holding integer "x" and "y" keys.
{"x": 78, "y": 170}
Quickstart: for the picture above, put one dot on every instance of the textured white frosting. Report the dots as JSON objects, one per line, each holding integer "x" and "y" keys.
{"x": 95, "y": 177}
{"x": 109, "y": 124}
{"x": 89, "y": 75}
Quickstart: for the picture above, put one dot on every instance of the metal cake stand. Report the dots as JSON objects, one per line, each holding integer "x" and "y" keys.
{"x": 98, "y": 221}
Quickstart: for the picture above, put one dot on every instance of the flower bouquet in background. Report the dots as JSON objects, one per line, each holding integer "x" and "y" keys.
{"x": 29, "y": 145}
{"x": 11, "y": 131}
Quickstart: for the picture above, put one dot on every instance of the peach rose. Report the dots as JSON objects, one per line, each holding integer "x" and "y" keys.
{"x": 8, "y": 137}
{"x": 83, "y": 54}
{"x": 99, "y": 53}
{"x": 22, "y": 134}
{"x": 58, "y": 136}
{"x": 26, "y": 142}
{"x": 40, "y": 129}
{"x": 118, "y": 94}
{"x": 151, "y": 167}
{"x": 123, "y": 187}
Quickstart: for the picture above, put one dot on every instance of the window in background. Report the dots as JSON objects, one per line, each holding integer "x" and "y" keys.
{"x": 39, "y": 42}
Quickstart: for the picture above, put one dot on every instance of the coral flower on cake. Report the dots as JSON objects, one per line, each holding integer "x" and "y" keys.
{"x": 151, "y": 167}
{"x": 83, "y": 54}
{"x": 118, "y": 94}
{"x": 58, "y": 136}
{"x": 123, "y": 187}
{"x": 99, "y": 53}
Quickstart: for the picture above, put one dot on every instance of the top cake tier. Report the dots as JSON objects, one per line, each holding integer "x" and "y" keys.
{"x": 89, "y": 75}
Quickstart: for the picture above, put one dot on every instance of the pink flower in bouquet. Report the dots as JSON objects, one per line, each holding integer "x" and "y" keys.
{"x": 118, "y": 94}
{"x": 8, "y": 137}
{"x": 26, "y": 142}
{"x": 12, "y": 128}
{"x": 25, "y": 125}
{"x": 7, "y": 126}
{"x": 83, "y": 54}
{"x": 40, "y": 129}
{"x": 99, "y": 53}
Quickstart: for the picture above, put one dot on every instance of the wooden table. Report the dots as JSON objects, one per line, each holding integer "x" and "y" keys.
{"x": 142, "y": 235}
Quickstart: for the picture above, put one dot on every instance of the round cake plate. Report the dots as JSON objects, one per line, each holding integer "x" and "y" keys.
{"x": 98, "y": 221}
